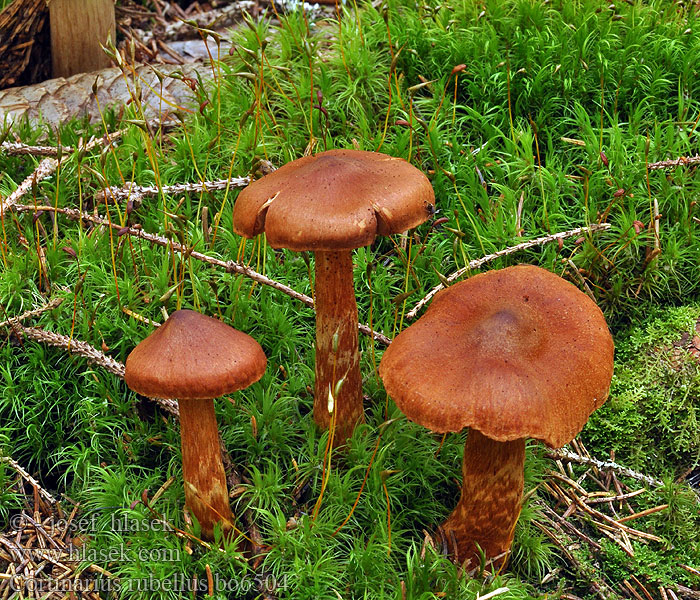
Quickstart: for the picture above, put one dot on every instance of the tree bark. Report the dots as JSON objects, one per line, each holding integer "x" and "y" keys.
{"x": 336, "y": 316}
{"x": 78, "y": 27}
{"x": 492, "y": 492}
{"x": 206, "y": 494}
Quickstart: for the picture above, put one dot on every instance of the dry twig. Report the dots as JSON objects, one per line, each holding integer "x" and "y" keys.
{"x": 137, "y": 191}
{"x": 23, "y": 39}
{"x": 563, "y": 542}
{"x": 45, "y": 168}
{"x": 510, "y": 250}
{"x": 19, "y": 149}
{"x": 678, "y": 162}
{"x": 32, "y": 313}
{"x": 687, "y": 592}
{"x": 49, "y": 165}
{"x": 576, "y": 500}
{"x": 228, "y": 265}
{"x": 567, "y": 455}
{"x": 93, "y": 355}
{"x": 27, "y": 477}
{"x": 40, "y": 559}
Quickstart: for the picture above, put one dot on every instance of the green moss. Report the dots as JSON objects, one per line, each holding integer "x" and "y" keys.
{"x": 651, "y": 418}
{"x": 622, "y": 80}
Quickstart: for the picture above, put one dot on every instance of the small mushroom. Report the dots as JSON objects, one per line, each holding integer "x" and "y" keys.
{"x": 195, "y": 358}
{"x": 331, "y": 203}
{"x": 512, "y": 354}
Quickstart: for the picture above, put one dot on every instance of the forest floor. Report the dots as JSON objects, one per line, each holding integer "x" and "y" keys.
{"x": 561, "y": 134}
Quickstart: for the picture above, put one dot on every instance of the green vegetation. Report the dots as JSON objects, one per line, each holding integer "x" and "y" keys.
{"x": 495, "y": 137}
{"x": 653, "y": 400}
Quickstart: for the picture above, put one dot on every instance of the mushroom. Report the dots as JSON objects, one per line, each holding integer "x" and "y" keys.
{"x": 194, "y": 358}
{"x": 331, "y": 203}
{"x": 512, "y": 354}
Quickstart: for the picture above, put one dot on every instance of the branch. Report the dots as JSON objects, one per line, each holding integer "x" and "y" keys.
{"x": 668, "y": 164}
{"x": 49, "y": 165}
{"x": 687, "y": 592}
{"x": 32, "y": 313}
{"x": 27, "y": 477}
{"x": 128, "y": 191}
{"x": 228, "y": 265}
{"x": 510, "y": 250}
{"x": 567, "y": 455}
{"x": 20, "y": 149}
{"x": 80, "y": 348}
{"x": 45, "y": 168}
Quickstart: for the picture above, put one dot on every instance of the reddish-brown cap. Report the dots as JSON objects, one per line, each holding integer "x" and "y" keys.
{"x": 514, "y": 353}
{"x": 194, "y": 356}
{"x": 335, "y": 200}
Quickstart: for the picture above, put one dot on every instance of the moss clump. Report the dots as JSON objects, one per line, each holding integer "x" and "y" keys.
{"x": 651, "y": 418}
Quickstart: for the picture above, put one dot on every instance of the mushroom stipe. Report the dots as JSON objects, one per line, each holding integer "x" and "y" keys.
{"x": 337, "y": 355}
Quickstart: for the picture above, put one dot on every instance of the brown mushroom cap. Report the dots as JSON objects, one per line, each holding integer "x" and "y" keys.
{"x": 335, "y": 200}
{"x": 194, "y": 356}
{"x": 514, "y": 353}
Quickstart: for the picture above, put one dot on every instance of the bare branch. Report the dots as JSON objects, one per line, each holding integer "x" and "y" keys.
{"x": 568, "y": 455}
{"x": 33, "y": 313}
{"x": 27, "y": 477}
{"x": 20, "y": 149}
{"x": 45, "y": 168}
{"x": 49, "y": 165}
{"x": 92, "y": 354}
{"x": 678, "y": 162}
{"x": 228, "y": 265}
{"x": 130, "y": 191}
{"x": 510, "y": 250}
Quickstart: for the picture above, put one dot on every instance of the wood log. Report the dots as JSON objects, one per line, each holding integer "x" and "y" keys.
{"x": 78, "y": 29}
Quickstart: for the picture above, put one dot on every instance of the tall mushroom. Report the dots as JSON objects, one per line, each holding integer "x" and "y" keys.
{"x": 196, "y": 358}
{"x": 331, "y": 203}
{"x": 513, "y": 354}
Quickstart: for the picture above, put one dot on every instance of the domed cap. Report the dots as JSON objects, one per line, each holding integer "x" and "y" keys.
{"x": 335, "y": 200}
{"x": 514, "y": 353}
{"x": 194, "y": 356}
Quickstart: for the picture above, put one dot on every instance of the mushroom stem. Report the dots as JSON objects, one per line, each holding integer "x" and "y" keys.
{"x": 206, "y": 494}
{"x": 492, "y": 491}
{"x": 336, "y": 315}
